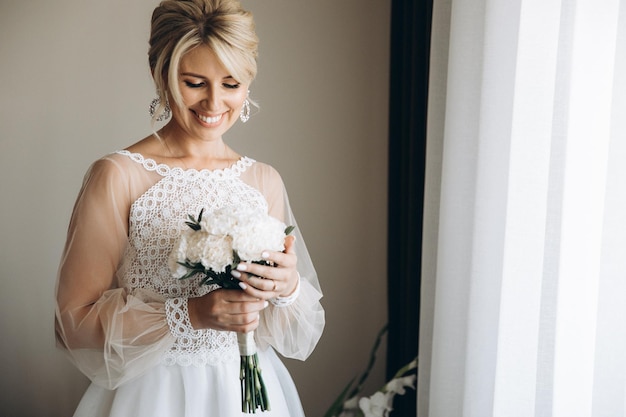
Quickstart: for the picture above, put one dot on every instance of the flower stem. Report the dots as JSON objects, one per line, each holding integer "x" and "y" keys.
{"x": 253, "y": 391}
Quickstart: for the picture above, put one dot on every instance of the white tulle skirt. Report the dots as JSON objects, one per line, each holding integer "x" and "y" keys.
{"x": 191, "y": 391}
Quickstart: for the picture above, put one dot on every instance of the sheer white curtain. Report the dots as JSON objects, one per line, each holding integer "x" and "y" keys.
{"x": 524, "y": 277}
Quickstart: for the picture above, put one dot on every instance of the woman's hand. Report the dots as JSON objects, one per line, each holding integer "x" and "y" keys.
{"x": 239, "y": 311}
{"x": 265, "y": 282}
{"x": 222, "y": 309}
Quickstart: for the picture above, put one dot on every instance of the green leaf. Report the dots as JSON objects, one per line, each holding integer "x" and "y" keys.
{"x": 194, "y": 226}
{"x": 289, "y": 229}
{"x": 193, "y": 223}
{"x": 370, "y": 365}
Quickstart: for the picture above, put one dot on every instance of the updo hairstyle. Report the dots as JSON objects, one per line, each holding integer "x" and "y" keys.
{"x": 180, "y": 25}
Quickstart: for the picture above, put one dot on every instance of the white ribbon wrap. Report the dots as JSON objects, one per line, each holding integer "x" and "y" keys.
{"x": 247, "y": 345}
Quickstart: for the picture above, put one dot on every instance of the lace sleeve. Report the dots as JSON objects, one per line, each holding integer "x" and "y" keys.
{"x": 293, "y": 329}
{"x": 111, "y": 335}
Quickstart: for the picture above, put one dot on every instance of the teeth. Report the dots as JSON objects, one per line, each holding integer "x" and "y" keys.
{"x": 209, "y": 119}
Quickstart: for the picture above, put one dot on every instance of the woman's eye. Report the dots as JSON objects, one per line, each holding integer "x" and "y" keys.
{"x": 229, "y": 85}
{"x": 192, "y": 85}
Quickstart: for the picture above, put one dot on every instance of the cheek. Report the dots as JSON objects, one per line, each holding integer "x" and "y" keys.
{"x": 242, "y": 94}
{"x": 189, "y": 96}
{"x": 239, "y": 99}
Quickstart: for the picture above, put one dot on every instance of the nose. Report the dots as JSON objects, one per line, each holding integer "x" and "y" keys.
{"x": 212, "y": 99}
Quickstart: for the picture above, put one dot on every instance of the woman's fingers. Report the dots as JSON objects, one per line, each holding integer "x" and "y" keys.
{"x": 270, "y": 281}
{"x": 226, "y": 310}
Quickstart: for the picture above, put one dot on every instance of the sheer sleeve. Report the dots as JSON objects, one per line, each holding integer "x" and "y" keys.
{"x": 110, "y": 334}
{"x": 295, "y": 329}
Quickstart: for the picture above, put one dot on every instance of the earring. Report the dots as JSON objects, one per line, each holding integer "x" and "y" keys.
{"x": 244, "y": 115}
{"x": 165, "y": 114}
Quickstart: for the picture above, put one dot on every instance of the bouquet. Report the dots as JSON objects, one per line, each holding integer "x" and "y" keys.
{"x": 351, "y": 404}
{"x": 213, "y": 246}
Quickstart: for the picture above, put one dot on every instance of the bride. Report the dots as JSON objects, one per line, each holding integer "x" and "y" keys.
{"x": 154, "y": 345}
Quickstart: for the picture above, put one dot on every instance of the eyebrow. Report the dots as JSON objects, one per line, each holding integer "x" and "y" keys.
{"x": 192, "y": 74}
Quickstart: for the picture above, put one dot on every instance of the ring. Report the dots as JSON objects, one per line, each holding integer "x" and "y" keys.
{"x": 274, "y": 289}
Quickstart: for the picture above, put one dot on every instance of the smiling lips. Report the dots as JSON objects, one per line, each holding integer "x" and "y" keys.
{"x": 209, "y": 120}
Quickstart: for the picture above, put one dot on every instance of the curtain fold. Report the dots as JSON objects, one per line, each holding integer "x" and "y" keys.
{"x": 524, "y": 275}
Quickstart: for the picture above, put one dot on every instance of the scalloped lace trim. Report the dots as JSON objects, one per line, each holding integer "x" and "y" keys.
{"x": 165, "y": 170}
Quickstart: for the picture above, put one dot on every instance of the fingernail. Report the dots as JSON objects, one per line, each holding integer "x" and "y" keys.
{"x": 236, "y": 274}
{"x": 243, "y": 286}
{"x": 242, "y": 267}
{"x": 265, "y": 255}
{"x": 265, "y": 304}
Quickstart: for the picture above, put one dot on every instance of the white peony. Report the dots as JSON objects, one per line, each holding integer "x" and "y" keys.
{"x": 249, "y": 232}
{"x": 196, "y": 241}
{"x": 256, "y": 232}
{"x": 219, "y": 222}
{"x": 217, "y": 253}
{"x": 214, "y": 252}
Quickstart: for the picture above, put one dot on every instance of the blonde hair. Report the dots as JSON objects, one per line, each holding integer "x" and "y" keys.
{"x": 178, "y": 26}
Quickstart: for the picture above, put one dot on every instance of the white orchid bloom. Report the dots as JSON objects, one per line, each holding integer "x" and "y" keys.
{"x": 378, "y": 405}
{"x": 398, "y": 385}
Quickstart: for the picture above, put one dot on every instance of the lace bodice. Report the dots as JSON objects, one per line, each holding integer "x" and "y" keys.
{"x": 155, "y": 221}
{"x": 119, "y": 311}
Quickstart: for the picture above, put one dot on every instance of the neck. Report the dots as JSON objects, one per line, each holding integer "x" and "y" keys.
{"x": 178, "y": 144}
{"x": 196, "y": 153}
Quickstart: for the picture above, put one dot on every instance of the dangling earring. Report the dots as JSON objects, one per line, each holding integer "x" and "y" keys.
{"x": 165, "y": 114}
{"x": 244, "y": 115}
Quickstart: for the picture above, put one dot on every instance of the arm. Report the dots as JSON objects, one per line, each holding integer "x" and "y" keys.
{"x": 111, "y": 335}
{"x": 293, "y": 329}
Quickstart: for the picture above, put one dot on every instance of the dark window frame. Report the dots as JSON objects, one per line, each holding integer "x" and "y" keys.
{"x": 411, "y": 22}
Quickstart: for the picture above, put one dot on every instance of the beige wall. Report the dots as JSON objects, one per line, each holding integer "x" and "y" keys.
{"x": 74, "y": 85}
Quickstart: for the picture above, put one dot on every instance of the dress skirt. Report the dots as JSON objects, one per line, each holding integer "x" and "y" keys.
{"x": 193, "y": 391}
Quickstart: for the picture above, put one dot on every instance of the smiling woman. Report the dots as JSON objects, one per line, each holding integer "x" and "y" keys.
{"x": 151, "y": 343}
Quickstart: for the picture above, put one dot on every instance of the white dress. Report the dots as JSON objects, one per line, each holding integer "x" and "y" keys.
{"x": 135, "y": 342}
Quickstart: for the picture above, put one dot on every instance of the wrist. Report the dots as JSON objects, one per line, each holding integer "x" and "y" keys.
{"x": 294, "y": 289}
{"x": 281, "y": 301}
{"x": 194, "y": 319}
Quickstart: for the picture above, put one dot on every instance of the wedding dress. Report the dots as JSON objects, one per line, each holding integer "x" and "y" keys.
{"x": 136, "y": 343}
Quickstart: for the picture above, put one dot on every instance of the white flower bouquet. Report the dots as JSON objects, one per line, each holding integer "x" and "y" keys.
{"x": 213, "y": 246}
{"x": 351, "y": 403}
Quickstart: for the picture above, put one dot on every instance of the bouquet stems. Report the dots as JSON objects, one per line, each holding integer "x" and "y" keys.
{"x": 253, "y": 391}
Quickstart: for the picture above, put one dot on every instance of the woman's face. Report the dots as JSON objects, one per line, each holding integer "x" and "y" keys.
{"x": 212, "y": 97}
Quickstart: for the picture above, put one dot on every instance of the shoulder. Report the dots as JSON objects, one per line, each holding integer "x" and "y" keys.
{"x": 111, "y": 170}
{"x": 106, "y": 184}
{"x": 268, "y": 181}
{"x": 265, "y": 173}
{"x": 113, "y": 164}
